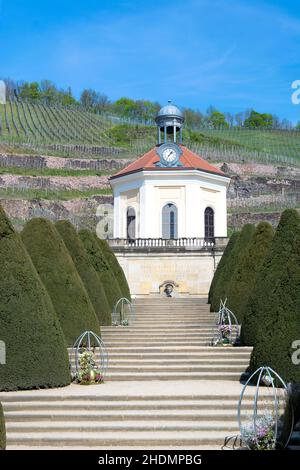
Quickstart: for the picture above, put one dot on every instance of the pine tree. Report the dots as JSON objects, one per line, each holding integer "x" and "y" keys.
{"x": 240, "y": 246}
{"x": 249, "y": 264}
{"x": 36, "y": 352}
{"x": 258, "y": 308}
{"x": 86, "y": 270}
{"x": 116, "y": 268}
{"x": 60, "y": 277}
{"x": 222, "y": 264}
{"x": 274, "y": 343}
{"x": 98, "y": 260}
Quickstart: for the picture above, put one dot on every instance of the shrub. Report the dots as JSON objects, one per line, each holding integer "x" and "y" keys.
{"x": 257, "y": 311}
{"x": 249, "y": 264}
{"x": 221, "y": 264}
{"x": 95, "y": 252}
{"x": 116, "y": 268}
{"x": 36, "y": 352}
{"x": 60, "y": 277}
{"x": 86, "y": 270}
{"x": 273, "y": 342}
{"x": 224, "y": 278}
{"x": 2, "y": 430}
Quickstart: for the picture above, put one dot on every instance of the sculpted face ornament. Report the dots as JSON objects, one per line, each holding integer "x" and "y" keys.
{"x": 169, "y": 290}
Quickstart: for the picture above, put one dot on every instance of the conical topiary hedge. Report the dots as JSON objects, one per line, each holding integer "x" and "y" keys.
{"x": 222, "y": 264}
{"x": 86, "y": 270}
{"x": 60, "y": 277}
{"x": 116, "y": 268}
{"x": 248, "y": 266}
{"x": 274, "y": 344}
{"x": 2, "y": 430}
{"x": 223, "y": 282}
{"x": 97, "y": 257}
{"x": 257, "y": 311}
{"x": 36, "y": 352}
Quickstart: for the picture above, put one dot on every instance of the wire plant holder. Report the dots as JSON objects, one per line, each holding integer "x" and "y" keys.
{"x": 88, "y": 359}
{"x": 228, "y": 329}
{"x": 123, "y": 313}
{"x": 268, "y": 423}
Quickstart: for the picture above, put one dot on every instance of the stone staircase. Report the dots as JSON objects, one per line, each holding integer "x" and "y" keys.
{"x": 169, "y": 340}
{"x": 165, "y": 389}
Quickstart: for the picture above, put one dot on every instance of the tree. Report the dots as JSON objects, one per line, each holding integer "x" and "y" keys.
{"x": 60, "y": 277}
{"x": 86, "y": 270}
{"x": 36, "y": 352}
{"x": 98, "y": 260}
{"x": 249, "y": 264}
{"x": 222, "y": 264}
{"x": 116, "y": 268}
{"x": 274, "y": 343}
{"x": 257, "y": 120}
{"x": 258, "y": 312}
{"x": 30, "y": 91}
{"x": 126, "y": 108}
{"x": 217, "y": 120}
{"x": 224, "y": 278}
{"x": 2, "y": 430}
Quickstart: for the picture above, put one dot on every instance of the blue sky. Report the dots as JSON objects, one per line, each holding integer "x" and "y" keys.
{"x": 233, "y": 54}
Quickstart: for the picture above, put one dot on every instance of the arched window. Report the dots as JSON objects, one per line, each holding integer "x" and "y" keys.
{"x": 169, "y": 221}
{"x": 209, "y": 223}
{"x": 131, "y": 223}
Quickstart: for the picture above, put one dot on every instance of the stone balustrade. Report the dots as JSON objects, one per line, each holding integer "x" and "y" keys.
{"x": 192, "y": 243}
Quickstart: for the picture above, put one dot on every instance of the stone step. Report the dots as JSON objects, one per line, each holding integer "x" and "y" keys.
{"x": 78, "y": 405}
{"x": 121, "y": 361}
{"x": 218, "y": 375}
{"x": 178, "y": 348}
{"x": 119, "y": 438}
{"x": 159, "y": 368}
{"x": 89, "y": 426}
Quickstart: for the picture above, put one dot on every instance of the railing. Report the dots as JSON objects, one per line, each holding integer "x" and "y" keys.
{"x": 162, "y": 242}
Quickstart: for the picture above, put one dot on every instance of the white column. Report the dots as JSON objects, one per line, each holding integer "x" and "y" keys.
{"x": 117, "y": 215}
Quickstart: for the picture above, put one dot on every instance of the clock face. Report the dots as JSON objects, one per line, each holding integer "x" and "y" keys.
{"x": 169, "y": 155}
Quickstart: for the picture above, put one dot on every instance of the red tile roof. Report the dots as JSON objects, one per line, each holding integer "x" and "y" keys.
{"x": 189, "y": 159}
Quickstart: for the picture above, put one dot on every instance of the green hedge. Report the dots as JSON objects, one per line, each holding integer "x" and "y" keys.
{"x": 2, "y": 430}
{"x": 273, "y": 343}
{"x": 97, "y": 257}
{"x": 248, "y": 267}
{"x": 258, "y": 313}
{"x": 116, "y": 268}
{"x": 60, "y": 277}
{"x": 86, "y": 270}
{"x": 222, "y": 264}
{"x": 224, "y": 278}
{"x": 36, "y": 352}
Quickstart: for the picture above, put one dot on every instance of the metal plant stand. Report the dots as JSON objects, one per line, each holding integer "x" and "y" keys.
{"x": 123, "y": 313}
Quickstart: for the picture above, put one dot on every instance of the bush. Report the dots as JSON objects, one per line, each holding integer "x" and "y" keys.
{"x": 60, "y": 277}
{"x": 98, "y": 260}
{"x": 259, "y": 308}
{"x": 2, "y": 430}
{"x": 224, "y": 278}
{"x": 36, "y": 352}
{"x": 273, "y": 343}
{"x": 248, "y": 267}
{"x": 86, "y": 270}
{"x": 116, "y": 268}
{"x": 221, "y": 265}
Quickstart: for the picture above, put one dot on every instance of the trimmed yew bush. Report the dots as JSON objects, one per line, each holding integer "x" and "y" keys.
{"x": 86, "y": 270}
{"x": 225, "y": 276}
{"x": 116, "y": 268}
{"x": 274, "y": 342}
{"x": 258, "y": 312}
{"x": 221, "y": 264}
{"x": 249, "y": 264}
{"x": 36, "y": 352}
{"x": 101, "y": 265}
{"x": 2, "y": 430}
{"x": 60, "y": 277}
